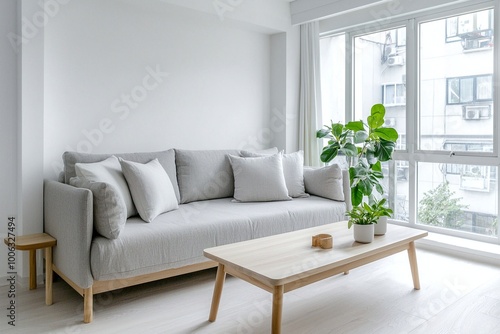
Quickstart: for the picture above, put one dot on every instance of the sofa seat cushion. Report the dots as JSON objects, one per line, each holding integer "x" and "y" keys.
{"x": 178, "y": 238}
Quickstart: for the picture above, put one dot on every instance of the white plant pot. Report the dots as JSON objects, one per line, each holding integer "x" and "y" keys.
{"x": 381, "y": 226}
{"x": 363, "y": 233}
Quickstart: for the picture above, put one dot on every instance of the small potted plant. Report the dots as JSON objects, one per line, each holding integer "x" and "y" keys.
{"x": 364, "y": 217}
{"x": 365, "y": 145}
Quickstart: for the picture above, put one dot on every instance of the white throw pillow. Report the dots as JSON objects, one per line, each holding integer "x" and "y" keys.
{"x": 325, "y": 182}
{"x": 151, "y": 188}
{"x": 259, "y": 179}
{"x": 108, "y": 171}
{"x": 293, "y": 169}
{"x": 110, "y": 213}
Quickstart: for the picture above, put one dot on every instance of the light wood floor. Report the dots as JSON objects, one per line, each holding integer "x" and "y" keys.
{"x": 456, "y": 297}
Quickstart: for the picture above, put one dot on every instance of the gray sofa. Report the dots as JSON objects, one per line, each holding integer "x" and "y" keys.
{"x": 173, "y": 243}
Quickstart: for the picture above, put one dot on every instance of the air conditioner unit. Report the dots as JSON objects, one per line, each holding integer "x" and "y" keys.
{"x": 395, "y": 61}
{"x": 390, "y": 122}
{"x": 472, "y": 114}
{"x": 476, "y": 112}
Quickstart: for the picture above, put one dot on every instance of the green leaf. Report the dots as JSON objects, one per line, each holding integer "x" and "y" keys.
{"x": 356, "y": 196}
{"x": 378, "y": 109}
{"x": 377, "y": 167}
{"x": 323, "y": 133}
{"x": 337, "y": 129}
{"x": 389, "y": 134}
{"x": 370, "y": 157}
{"x": 376, "y": 118}
{"x": 384, "y": 150}
{"x": 329, "y": 152}
{"x": 355, "y": 126}
{"x": 379, "y": 188}
{"x": 366, "y": 187}
{"x": 375, "y": 121}
{"x": 360, "y": 137}
{"x": 349, "y": 149}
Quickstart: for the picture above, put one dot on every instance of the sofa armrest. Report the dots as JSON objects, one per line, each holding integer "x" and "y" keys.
{"x": 68, "y": 217}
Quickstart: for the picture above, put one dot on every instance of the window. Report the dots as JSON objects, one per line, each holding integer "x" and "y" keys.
{"x": 455, "y": 100}
{"x": 456, "y": 124}
{"x": 469, "y": 89}
{"x": 379, "y": 62}
{"x": 394, "y": 95}
{"x": 449, "y": 203}
{"x": 444, "y": 176}
{"x": 474, "y": 30}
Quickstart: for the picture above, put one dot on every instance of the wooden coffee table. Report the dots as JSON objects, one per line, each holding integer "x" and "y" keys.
{"x": 285, "y": 262}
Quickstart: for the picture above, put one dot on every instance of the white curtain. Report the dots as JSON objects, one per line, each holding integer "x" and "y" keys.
{"x": 310, "y": 94}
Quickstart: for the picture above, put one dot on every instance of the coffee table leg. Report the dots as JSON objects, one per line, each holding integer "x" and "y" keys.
{"x": 277, "y": 309}
{"x": 412, "y": 255}
{"x": 219, "y": 283}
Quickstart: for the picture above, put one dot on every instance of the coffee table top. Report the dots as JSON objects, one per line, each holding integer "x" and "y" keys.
{"x": 287, "y": 257}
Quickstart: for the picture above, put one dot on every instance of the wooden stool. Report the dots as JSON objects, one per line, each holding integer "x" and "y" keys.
{"x": 32, "y": 242}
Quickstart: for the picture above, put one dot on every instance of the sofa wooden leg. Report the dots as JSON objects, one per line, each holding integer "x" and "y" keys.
{"x": 88, "y": 300}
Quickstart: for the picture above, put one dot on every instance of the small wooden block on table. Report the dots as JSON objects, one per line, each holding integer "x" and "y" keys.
{"x": 32, "y": 242}
{"x": 285, "y": 262}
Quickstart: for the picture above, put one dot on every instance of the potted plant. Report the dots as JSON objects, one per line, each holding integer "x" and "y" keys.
{"x": 364, "y": 217}
{"x": 366, "y": 145}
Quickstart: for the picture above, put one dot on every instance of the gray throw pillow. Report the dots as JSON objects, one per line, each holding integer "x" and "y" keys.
{"x": 325, "y": 182}
{"x": 166, "y": 159}
{"x": 259, "y": 179}
{"x": 151, "y": 188}
{"x": 293, "y": 169}
{"x": 110, "y": 213}
{"x": 108, "y": 171}
{"x": 204, "y": 174}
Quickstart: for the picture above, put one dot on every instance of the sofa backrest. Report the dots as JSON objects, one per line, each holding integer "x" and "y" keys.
{"x": 204, "y": 174}
{"x": 166, "y": 159}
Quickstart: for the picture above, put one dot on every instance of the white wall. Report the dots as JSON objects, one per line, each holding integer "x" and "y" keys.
{"x": 92, "y": 76}
{"x": 8, "y": 124}
{"x": 216, "y": 93}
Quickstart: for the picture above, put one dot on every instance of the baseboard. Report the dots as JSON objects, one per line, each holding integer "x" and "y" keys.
{"x": 21, "y": 282}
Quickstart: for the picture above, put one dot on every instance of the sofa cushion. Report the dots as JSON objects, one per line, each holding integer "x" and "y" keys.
{"x": 150, "y": 187}
{"x": 166, "y": 159}
{"x": 293, "y": 169}
{"x": 110, "y": 212}
{"x": 259, "y": 179}
{"x": 178, "y": 238}
{"x": 325, "y": 182}
{"x": 204, "y": 174}
{"x": 108, "y": 171}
